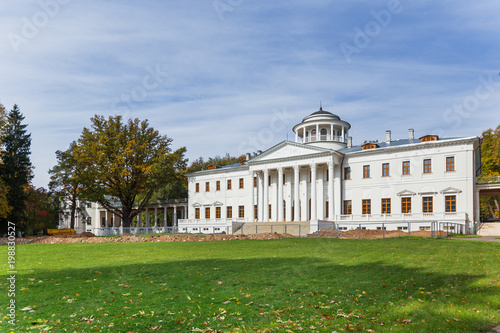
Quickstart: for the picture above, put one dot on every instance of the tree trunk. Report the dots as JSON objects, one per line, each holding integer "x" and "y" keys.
{"x": 127, "y": 217}
{"x": 495, "y": 198}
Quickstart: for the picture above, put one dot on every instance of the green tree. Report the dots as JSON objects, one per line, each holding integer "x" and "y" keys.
{"x": 490, "y": 166}
{"x": 65, "y": 181}
{"x": 5, "y": 208}
{"x": 16, "y": 169}
{"x": 123, "y": 164}
{"x": 41, "y": 210}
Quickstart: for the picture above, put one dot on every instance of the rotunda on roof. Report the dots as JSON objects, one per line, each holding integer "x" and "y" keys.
{"x": 323, "y": 129}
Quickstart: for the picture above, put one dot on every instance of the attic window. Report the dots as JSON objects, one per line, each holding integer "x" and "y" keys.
{"x": 213, "y": 167}
{"x": 429, "y": 138}
{"x": 369, "y": 145}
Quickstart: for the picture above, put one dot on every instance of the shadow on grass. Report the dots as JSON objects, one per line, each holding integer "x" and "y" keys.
{"x": 256, "y": 294}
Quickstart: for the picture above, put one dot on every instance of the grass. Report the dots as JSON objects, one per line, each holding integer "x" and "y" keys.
{"x": 464, "y": 236}
{"x": 288, "y": 285}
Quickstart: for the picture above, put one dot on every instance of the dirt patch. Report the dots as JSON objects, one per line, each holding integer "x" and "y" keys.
{"x": 90, "y": 238}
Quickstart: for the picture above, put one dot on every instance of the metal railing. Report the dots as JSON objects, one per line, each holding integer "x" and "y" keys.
{"x": 389, "y": 229}
{"x": 451, "y": 216}
{"x": 488, "y": 180}
{"x": 116, "y": 231}
{"x": 316, "y": 138}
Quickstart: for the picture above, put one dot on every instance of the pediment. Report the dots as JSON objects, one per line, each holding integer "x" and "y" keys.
{"x": 451, "y": 190}
{"x": 218, "y": 203}
{"x": 196, "y": 204}
{"x": 406, "y": 193}
{"x": 288, "y": 150}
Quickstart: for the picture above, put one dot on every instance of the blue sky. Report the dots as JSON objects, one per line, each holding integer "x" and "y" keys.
{"x": 234, "y": 76}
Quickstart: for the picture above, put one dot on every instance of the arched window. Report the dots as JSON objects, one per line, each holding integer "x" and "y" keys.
{"x": 323, "y": 134}
{"x": 313, "y": 135}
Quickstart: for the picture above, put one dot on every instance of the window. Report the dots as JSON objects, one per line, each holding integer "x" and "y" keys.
{"x": 242, "y": 183}
{"x": 347, "y": 207}
{"x": 255, "y": 213}
{"x": 217, "y": 186}
{"x": 427, "y": 166}
{"x": 197, "y": 213}
{"x": 207, "y": 213}
{"x": 427, "y": 205}
{"x": 366, "y": 171}
{"x": 323, "y": 134}
{"x": 450, "y": 164}
{"x": 284, "y": 179}
{"x": 313, "y": 135}
{"x": 367, "y": 206}
{"x": 270, "y": 211}
{"x": 326, "y": 208}
{"x": 207, "y": 186}
{"x": 385, "y": 170}
{"x": 89, "y": 220}
{"x": 386, "y": 206}
{"x": 347, "y": 173}
{"x": 229, "y": 184}
{"x": 450, "y": 203}
{"x": 406, "y": 167}
{"x": 241, "y": 212}
{"x": 89, "y": 205}
{"x": 217, "y": 212}
{"x": 229, "y": 212}
{"x": 406, "y": 205}
{"x": 269, "y": 180}
{"x": 254, "y": 181}
{"x": 197, "y": 187}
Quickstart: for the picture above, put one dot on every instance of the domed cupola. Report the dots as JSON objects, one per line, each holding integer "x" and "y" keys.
{"x": 323, "y": 129}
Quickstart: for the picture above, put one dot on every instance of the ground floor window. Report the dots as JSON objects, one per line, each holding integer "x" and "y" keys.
{"x": 406, "y": 205}
{"x": 255, "y": 212}
{"x": 217, "y": 212}
{"x": 367, "y": 206}
{"x": 427, "y": 205}
{"x": 326, "y": 208}
{"x": 270, "y": 211}
{"x": 450, "y": 203}
{"x": 386, "y": 206}
{"x": 241, "y": 212}
{"x": 197, "y": 213}
{"x": 347, "y": 207}
{"x": 207, "y": 213}
{"x": 229, "y": 213}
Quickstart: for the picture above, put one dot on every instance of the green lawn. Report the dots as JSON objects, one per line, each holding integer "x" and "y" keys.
{"x": 288, "y": 285}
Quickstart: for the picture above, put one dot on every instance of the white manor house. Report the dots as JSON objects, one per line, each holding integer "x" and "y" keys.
{"x": 321, "y": 181}
{"x": 322, "y": 178}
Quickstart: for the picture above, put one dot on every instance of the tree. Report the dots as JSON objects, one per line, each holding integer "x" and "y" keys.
{"x": 65, "y": 181}
{"x": 123, "y": 164}
{"x": 41, "y": 210}
{"x": 490, "y": 166}
{"x": 16, "y": 169}
{"x": 5, "y": 208}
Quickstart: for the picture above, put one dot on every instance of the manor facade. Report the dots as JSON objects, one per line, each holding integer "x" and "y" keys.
{"x": 322, "y": 177}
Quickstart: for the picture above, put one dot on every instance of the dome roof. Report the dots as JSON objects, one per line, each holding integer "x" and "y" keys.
{"x": 321, "y": 113}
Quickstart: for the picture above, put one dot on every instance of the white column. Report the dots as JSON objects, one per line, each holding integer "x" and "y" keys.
{"x": 281, "y": 217}
{"x": 296, "y": 198}
{"x": 337, "y": 195}
{"x": 477, "y": 207}
{"x": 343, "y": 134}
{"x": 297, "y": 135}
{"x": 314, "y": 204}
{"x": 331, "y": 203}
{"x": 174, "y": 222}
{"x": 317, "y": 132}
{"x": 165, "y": 216}
{"x": 303, "y": 135}
{"x": 156, "y": 216}
{"x": 266, "y": 196}
{"x": 260, "y": 199}
{"x": 320, "y": 194}
{"x": 252, "y": 204}
{"x": 332, "y": 134}
{"x": 185, "y": 216}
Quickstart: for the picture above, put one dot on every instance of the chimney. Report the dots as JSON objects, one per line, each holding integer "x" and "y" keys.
{"x": 247, "y": 156}
{"x": 349, "y": 141}
{"x": 259, "y": 152}
{"x": 388, "y": 137}
{"x": 411, "y": 134}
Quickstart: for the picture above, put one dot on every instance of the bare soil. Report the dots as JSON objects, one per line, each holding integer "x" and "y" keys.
{"x": 88, "y": 237}
{"x": 373, "y": 234}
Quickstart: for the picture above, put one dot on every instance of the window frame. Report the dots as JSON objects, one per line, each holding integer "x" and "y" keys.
{"x": 366, "y": 171}
{"x": 207, "y": 213}
{"x": 218, "y": 212}
{"x": 366, "y": 205}
{"x": 406, "y": 171}
{"x": 347, "y": 173}
{"x": 450, "y": 204}
{"x": 217, "y": 186}
{"x": 197, "y": 213}
{"x": 207, "y": 186}
{"x": 386, "y": 206}
{"x": 241, "y": 212}
{"x": 347, "y": 207}
{"x": 197, "y": 188}
{"x": 450, "y": 163}
{"x": 241, "y": 183}
{"x": 229, "y": 212}
{"x": 386, "y": 170}
{"x": 406, "y": 205}
{"x": 427, "y": 166}
{"x": 229, "y": 184}
{"x": 427, "y": 205}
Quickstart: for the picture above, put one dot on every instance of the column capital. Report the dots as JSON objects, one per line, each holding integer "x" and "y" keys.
{"x": 331, "y": 164}
{"x": 280, "y": 170}
{"x": 312, "y": 166}
{"x": 296, "y": 168}
{"x": 266, "y": 172}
